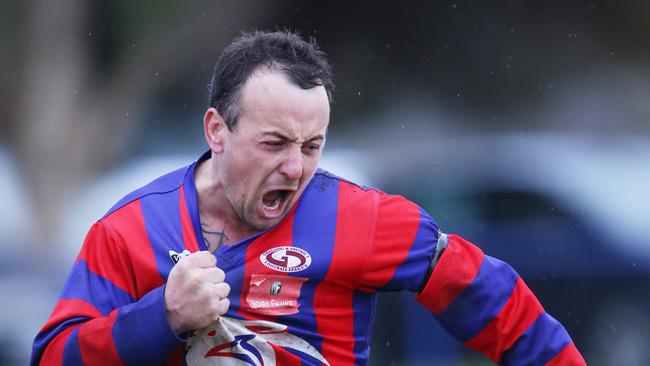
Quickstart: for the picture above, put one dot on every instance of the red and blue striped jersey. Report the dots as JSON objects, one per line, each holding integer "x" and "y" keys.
{"x": 302, "y": 293}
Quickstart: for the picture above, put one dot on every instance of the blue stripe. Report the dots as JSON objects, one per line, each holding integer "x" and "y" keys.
{"x": 234, "y": 274}
{"x": 141, "y": 331}
{"x": 166, "y": 183}
{"x": 481, "y": 301}
{"x": 231, "y": 259}
{"x": 94, "y": 289}
{"x": 314, "y": 230}
{"x": 364, "y": 306}
{"x": 44, "y": 338}
{"x": 162, "y": 221}
{"x": 539, "y": 344}
{"x": 410, "y": 274}
{"x": 71, "y": 350}
{"x": 191, "y": 200}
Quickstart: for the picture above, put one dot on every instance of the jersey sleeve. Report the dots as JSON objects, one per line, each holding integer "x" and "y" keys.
{"x": 401, "y": 247}
{"x": 486, "y": 305}
{"x": 99, "y": 318}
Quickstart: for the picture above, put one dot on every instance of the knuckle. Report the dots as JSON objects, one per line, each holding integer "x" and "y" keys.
{"x": 194, "y": 280}
{"x": 220, "y": 275}
{"x": 226, "y": 289}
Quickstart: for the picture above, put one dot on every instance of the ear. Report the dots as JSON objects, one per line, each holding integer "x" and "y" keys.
{"x": 214, "y": 128}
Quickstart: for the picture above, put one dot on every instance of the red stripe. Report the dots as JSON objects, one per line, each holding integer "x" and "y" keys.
{"x": 285, "y": 358}
{"x": 189, "y": 236}
{"x": 53, "y": 354}
{"x": 70, "y": 308}
{"x": 569, "y": 356}
{"x": 133, "y": 236}
{"x": 176, "y": 357}
{"x": 334, "y": 295}
{"x": 520, "y": 311}
{"x": 457, "y": 267}
{"x": 397, "y": 224}
{"x": 96, "y": 342}
{"x": 281, "y": 235}
{"x": 98, "y": 246}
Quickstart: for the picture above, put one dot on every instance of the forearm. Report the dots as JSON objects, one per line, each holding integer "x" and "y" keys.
{"x": 484, "y": 303}
{"x": 133, "y": 334}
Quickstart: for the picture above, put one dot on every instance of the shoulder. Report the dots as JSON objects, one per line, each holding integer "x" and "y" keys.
{"x": 354, "y": 196}
{"x": 162, "y": 185}
{"x": 346, "y": 190}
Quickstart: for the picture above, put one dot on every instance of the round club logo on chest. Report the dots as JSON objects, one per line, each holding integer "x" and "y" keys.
{"x": 286, "y": 259}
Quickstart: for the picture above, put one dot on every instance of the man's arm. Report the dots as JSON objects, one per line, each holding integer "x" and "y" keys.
{"x": 484, "y": 303}
{"x": 99, "y": 318}
{"x": 479, "y": 300}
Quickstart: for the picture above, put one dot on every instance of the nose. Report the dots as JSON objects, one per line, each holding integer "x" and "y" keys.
{"x": 291, "y": 167}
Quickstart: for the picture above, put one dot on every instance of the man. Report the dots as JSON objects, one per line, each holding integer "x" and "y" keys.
{"x": 253, "y": 256}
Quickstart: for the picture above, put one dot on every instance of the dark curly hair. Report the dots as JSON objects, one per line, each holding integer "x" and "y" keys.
{"x": 301, "y": 61}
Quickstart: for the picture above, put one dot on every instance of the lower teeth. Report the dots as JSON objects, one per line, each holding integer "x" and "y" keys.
{"x": 274, "y": 206}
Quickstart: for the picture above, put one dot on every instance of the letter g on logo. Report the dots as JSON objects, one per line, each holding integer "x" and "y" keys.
{"x": 286, "y": 259}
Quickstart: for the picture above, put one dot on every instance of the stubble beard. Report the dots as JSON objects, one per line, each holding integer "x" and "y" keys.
{"x": 246, "y": 218}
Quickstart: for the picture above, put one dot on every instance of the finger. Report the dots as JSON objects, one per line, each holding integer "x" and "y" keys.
{"x": 221, "y": 290}
{"x": 202, "y": 259}
{"x": 214, "y": 275}
{"x": 221, "y": 306}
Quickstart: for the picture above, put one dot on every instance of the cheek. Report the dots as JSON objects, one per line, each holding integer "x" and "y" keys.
{"x": 311, "y": 163}
{"x": 248, "y": 170}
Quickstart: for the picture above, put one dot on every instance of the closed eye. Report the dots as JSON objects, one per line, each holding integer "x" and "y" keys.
{"x": 273, "y": 144}
{"x": 311, "y": 148}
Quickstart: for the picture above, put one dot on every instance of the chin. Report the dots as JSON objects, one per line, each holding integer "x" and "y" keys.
{"x": 261, "y": 224}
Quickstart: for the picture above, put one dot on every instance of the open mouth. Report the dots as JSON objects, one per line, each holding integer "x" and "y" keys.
{"x": 275, "y": 199}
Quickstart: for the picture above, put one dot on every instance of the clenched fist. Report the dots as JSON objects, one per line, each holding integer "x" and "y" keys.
{"x": 196, "y": 294}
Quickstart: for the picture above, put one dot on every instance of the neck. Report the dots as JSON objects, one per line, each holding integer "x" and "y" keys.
{"x": 220, "y": 223}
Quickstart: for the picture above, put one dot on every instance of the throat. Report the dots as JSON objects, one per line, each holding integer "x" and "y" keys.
{"x": 217, "y": 234}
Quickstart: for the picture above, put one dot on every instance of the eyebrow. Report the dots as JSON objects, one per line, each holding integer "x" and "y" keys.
{"x": 284, "y": 137}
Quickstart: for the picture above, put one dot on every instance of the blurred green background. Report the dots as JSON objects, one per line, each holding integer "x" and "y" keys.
{"x": 524, "y": 126}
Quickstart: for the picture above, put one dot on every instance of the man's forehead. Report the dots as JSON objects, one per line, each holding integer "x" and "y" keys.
{"x": 272, "y": 105}
{"x": 272, "y": 85}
